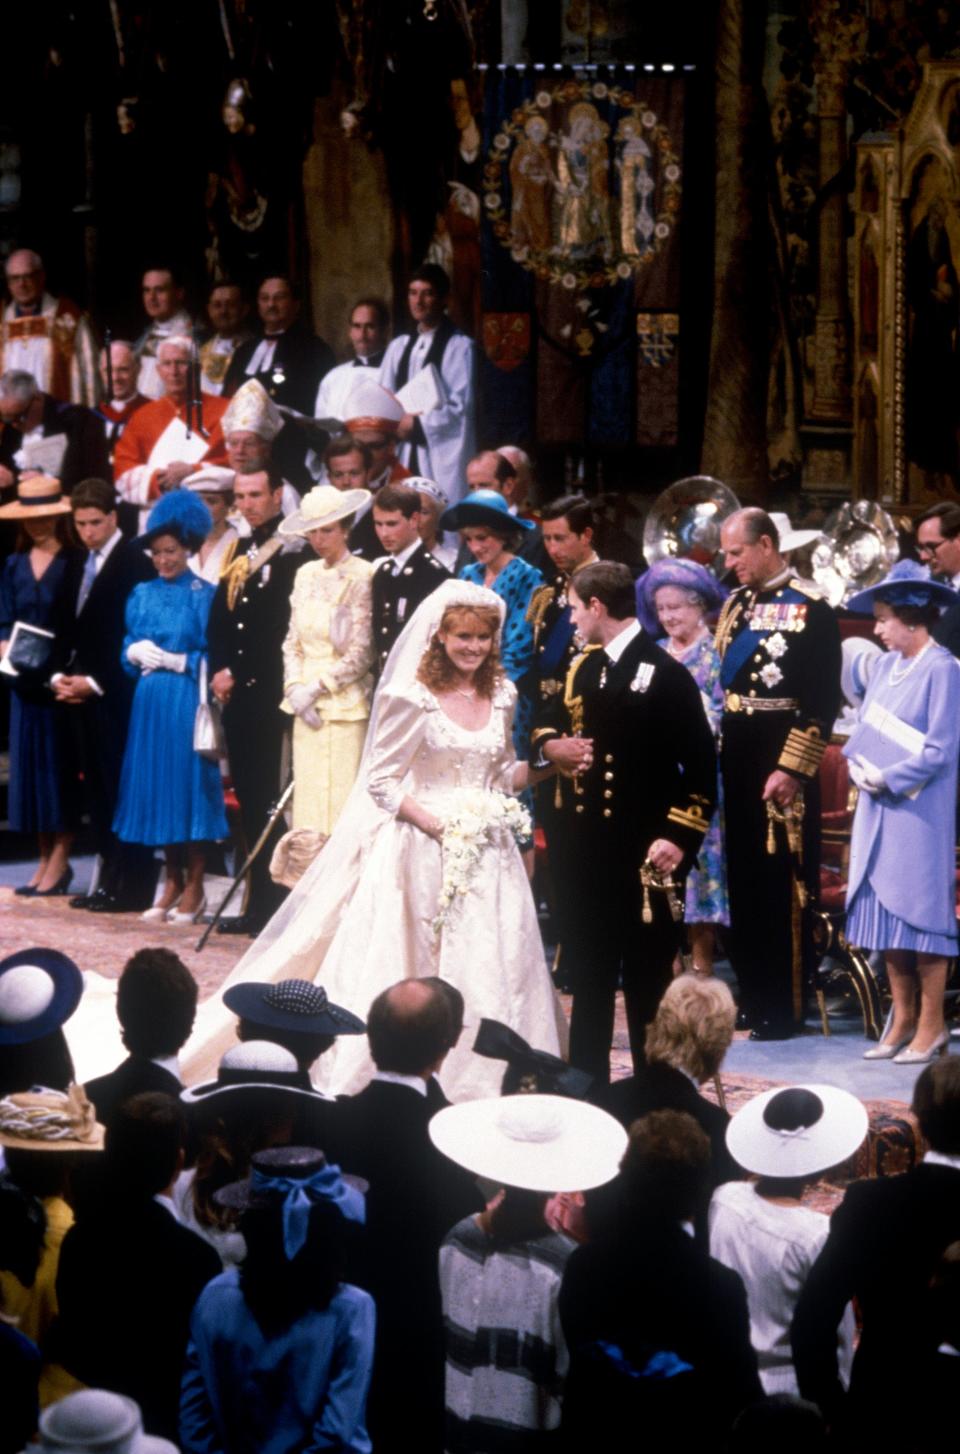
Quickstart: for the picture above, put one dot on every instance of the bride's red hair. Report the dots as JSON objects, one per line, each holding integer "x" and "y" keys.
{"x": 437, "y": 671}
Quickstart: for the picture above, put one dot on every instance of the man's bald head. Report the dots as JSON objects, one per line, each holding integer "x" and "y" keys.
{"x": 25, "y": 277}
{"x": 410, "y": 1028}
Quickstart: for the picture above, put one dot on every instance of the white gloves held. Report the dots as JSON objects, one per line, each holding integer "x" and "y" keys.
{"x": 865, "y": 776}
{"x": 150, "y": 657}
{"x": 302, "y": 697}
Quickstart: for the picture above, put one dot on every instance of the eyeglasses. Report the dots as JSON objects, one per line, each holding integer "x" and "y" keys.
{"x": 930, "y": 547}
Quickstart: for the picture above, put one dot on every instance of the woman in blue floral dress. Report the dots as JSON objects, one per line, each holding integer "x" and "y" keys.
{"x": 675, "y": 597}
{"x": 491, "y": 534}
{"x": 169, "y": 794}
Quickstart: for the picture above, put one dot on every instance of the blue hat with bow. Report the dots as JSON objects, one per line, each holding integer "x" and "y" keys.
{"x": 908, "y": 584}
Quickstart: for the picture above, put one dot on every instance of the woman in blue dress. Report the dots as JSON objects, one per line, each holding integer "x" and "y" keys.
{"x": 41, "y": 799}
{"x": 903, "y": 758}
{"x": 169, "y": 794}
{"x": 491, "y": 534}
{"x": 675, "y": 597}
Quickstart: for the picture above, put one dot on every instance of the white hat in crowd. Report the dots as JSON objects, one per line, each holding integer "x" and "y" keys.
{"x": 797, "y": 1130}
{"x": 541, "y": 1143}
{"x": 253, "y": 411}
{"x": 323, "y": 505}
{"x": 95, "y": 1421}
{"x": 791, "y": 539}
{"x": 211, "y": 479}
{"x": 370, "y": 406}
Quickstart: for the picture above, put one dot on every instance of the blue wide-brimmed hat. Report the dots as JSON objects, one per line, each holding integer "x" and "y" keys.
{"x": 295, "y": 1005}
{"x": 687, "y": 575}
{"x": 483, "y": 507}
{"x": 39, "y": 991}
{"x": 908, "y": 584}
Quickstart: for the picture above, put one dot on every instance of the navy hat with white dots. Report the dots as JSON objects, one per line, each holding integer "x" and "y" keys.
{"x": 296, "y": 1005}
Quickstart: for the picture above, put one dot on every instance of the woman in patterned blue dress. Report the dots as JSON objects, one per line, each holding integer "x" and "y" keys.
{"x": 41, "y": 799}
{"x": 491, "y": 534}
{"x": 675, "y": 597}
{"x": 169, "y": 794}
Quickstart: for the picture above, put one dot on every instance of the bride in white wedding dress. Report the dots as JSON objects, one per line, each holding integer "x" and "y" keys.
{"x": 363, "y": 915}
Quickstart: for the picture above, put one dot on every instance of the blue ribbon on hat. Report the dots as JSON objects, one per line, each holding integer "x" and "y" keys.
{"x": 299, "y": 1194}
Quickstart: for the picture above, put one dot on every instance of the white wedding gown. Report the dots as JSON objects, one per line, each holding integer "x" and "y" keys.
{"x": 362, "y": 916}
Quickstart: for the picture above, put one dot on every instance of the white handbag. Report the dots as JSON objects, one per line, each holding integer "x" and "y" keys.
{"x": 208, "y": 738}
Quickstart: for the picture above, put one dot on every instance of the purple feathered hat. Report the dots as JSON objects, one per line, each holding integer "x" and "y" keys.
{"x": 687, "y": 575}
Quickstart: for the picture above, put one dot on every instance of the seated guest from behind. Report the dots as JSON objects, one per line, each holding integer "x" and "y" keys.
{"x": 281, "y": 1349}
{"x": 763, "y": 1231}
{"x": 646, "y": 1300}
{"x": 156, "y": 1006}
{"x": 129, "y": 1272}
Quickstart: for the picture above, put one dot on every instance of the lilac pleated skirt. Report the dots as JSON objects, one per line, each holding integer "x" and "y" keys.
{"x": 870, "y": 926}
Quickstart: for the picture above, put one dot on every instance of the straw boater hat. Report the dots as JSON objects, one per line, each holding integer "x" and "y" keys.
{"x": 39, "y": 990}
{"x": 323, "y": 505}
{"x": 541, "y": 1143}
{"x": 370, "y": 406}
{"x": 252, "y": 1065}
{"x": 37, "y": 495}
{"x": 50, "y": 1120}
{"x": 908, "y": 584}
{"x": 210, "y": 479}
{"x": 791, "y": 539}
{"x": 253, "y": 410}
{"x": 95, "y": 1421}
{"x": 796, "y": 1131}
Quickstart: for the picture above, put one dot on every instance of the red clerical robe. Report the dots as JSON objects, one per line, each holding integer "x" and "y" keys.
{"x": 155, "y": 437}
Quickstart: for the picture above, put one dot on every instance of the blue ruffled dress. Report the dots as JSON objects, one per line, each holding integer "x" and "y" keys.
{"x": 168, "y": 792}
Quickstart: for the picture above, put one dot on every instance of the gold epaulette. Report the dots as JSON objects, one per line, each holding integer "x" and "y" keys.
{"x": 538, "y": 606}
{"x": 228, "y": 555}
{"x": 803, "y": 751}
{"x": 806, "y": 588}
{"x": 235, "y": 575}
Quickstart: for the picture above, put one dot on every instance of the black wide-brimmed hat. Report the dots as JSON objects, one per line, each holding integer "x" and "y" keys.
{"x": 294, "y": 1005}
{"x": 39, "y": 990}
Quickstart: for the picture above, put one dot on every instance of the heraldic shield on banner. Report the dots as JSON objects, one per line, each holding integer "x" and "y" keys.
{"x": 582, "y": 187}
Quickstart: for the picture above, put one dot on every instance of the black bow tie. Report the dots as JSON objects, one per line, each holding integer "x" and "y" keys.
{"x": 373, "y": 362}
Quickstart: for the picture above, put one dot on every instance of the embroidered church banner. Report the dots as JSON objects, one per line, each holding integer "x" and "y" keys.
{"x": 582, "y": 185}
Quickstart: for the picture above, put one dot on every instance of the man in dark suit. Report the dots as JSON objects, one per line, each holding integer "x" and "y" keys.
{"x": 408, "y": 573}
{"x": 156, "y": 1007}
{"x": 289, "y": 361}
{"x": 639, "y": 780}
{"x": 248, "y": 622}
{"x": 24, "y": 409}
{"x": 416, "y": 1195}
{"x": 129, "y": 1273}
{"x": 96, "y": 692}
{"x": 886, "y": 1240}
{"x": 658, "y": 1332}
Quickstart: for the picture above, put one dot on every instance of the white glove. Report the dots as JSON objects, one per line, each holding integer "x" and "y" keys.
{"x": 866, "y": 777}
{"x": 174, "y": 661}
{"x": 310, "y": 717}
{"x": 302, "y": 696}
{"x": 145, "y": 655}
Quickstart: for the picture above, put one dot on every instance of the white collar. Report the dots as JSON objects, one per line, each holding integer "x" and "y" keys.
{"x": 955, "y": 581}
{"x": 619, "y": 643}
{"x": 940, "y": 1158}
{"x": 393, "y": 1077}
{"x": 167, "y": 1062}
{"x": 168, "y": 1204}
{"x": 402, "y": 556}
{"x": 111, "y": 544}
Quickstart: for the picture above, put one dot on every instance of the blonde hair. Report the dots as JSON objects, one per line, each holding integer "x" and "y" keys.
{"x": 693, "y": 1026}
{"x": 437, "y": 671}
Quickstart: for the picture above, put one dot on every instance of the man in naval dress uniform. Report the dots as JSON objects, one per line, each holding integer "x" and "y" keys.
{"x": 568, "y": 541}
{"x": 780, "y": 651}
{"x": 638, "y": 783}
{"x": 406, "y": 574}
{"x": 248, "y": 622}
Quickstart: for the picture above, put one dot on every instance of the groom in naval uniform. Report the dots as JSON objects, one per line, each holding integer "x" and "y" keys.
{"x": 248, "y": 622}
{"x": 636, "y": 791}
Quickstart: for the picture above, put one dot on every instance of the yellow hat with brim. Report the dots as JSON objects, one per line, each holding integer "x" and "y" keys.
{"x": 323, "y": 505}
{"x": 50, "y": 1120}
{"x": 37, "y": 495}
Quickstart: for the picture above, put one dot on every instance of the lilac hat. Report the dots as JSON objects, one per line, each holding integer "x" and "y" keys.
{"x": 908, "y": 584}
{"x": 687, "y": 575}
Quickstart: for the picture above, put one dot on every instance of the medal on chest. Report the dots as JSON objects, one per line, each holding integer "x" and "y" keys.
{"x": 777, "y": 616}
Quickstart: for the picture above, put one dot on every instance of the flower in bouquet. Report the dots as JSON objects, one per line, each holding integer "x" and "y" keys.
{"x": 477, "y": 819}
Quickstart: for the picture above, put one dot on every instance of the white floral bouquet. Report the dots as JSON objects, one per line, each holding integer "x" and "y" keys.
{"x": 476, "y": 820}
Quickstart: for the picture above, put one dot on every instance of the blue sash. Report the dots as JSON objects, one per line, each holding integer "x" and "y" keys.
{"x": 558, "y": 639}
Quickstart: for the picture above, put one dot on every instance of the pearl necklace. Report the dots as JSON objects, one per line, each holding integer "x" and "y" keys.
{"x": 470, "y": 696}
{"x": 895, "y": 680}
{"x": 679, "y": 652}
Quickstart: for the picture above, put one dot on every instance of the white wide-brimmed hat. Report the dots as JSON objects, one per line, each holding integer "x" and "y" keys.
{"x": 211, "y": 479}
{"x": 791, "y": 539}
{"x": 540, "y": 1143}
{"x": 96, "y": 1421}
{"x": 252, "y": 1065}
{"x": 797, "y": 1130}
{"x": 323, "y": 505}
